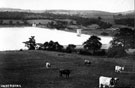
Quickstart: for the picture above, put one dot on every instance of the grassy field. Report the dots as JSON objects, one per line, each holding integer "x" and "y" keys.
{"x": 27, "y": 68}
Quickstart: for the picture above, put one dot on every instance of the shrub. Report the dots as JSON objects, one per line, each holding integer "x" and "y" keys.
{"x": 100, "y": 53}
{"x": 104, "y": 34}
{"x": 70, "y": 48}
{"x": 84, "y": 52}
{"x": 31, "y": 44}
{"x": 116, "y": 51}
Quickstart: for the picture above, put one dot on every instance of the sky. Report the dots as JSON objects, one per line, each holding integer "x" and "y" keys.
{"x": 103, "y": 5}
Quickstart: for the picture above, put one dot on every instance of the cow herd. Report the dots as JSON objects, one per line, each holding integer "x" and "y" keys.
{"x": 103, "y": 80}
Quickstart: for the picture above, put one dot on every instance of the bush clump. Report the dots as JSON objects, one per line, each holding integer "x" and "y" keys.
{"x": 116, "y": 51}
{"x": 104, "y": 34}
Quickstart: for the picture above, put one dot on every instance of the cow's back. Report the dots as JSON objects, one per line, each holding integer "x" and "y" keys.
{"x": 104, "y": 80}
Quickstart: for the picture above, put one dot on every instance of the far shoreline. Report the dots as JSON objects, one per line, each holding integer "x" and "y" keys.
{"x": 86, "y": 32}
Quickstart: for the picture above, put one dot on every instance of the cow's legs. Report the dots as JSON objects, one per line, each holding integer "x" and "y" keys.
{"x": 116, "y": 70}
{"x": 60, "y": 74}
{"x": 67, "y": 75}
{"x": 101, "y": 86}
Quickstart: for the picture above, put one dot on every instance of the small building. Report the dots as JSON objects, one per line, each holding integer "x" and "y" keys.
{"x": 79, "y": 31}
{"x": 34, "y": 25}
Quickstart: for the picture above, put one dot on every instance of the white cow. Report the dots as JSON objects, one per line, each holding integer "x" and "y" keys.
{"x": 87, "y": 62}
{"x": 48, "y": 65}
{"x": 119, "y": 68}
{"x": 107, "y": 81}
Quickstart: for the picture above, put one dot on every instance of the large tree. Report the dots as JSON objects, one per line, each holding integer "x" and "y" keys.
{"x": 93, "y": 43}
{"x": 54, "y": 46}
{"x": 58, "y": 47}
{"x": 31, "y": 44}
{"x": 124, "y": 37}
{"x": 70, "y": 48}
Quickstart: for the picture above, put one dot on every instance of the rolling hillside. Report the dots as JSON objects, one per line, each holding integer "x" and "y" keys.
{"x": 83, "y": 13}
{"x": 10, "y": 13}
{"x": 27, "y": 69}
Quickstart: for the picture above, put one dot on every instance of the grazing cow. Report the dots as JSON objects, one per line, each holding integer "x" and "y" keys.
{"x": 87, "y": 62}
{"x": 48, "y": 65}
{"x": 119, "y": 68}
{"x": 64, "y": 72}
{"x": 107, "y": 82}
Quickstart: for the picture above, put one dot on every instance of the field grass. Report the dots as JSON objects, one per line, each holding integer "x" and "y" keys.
{"x": 27, "y": 68}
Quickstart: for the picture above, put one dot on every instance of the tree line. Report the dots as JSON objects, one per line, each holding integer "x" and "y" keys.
{"x": 24, "y": 16}
{"x": 126, "y": 21}
{"x": 93, "y": 44}
{"x": 124, "y": 39}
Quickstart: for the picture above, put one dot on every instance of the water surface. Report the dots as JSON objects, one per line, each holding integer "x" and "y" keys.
{"x": 11, "y": 38}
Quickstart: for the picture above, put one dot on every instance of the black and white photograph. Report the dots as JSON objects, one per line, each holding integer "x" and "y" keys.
{"x": 67, "y": 44}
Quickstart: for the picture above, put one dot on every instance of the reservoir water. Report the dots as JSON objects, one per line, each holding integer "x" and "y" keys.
{"x": 11, "y": 38}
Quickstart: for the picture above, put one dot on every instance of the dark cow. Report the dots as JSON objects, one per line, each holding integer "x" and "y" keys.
{"x": 64, "y": 72}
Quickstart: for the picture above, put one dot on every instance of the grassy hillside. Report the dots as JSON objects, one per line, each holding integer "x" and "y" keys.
{"x": 27, "y": 68}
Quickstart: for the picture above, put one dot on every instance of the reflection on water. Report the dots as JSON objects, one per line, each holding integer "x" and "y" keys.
{"x": 12, "y": 38}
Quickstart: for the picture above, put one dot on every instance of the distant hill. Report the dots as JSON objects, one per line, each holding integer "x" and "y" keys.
{"x": 12, "y": 10}
{"x": 82, "y": 13}
{"x": 20, "y": 10}
{"x": 130, "y": 12}
{"x": 105, "y": 16}
{"x": 69, "y": 12}
{"x": 86, "y": 13}
{"x": 79, "y": 12}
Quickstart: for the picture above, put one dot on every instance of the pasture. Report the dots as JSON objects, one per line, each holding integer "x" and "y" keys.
{"x": 27, "y": 68}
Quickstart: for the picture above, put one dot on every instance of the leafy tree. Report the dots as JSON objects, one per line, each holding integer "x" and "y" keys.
{"x": 104, "y": 33}
{"x": 57, "y": 24}
{"x": 99, "y": 18}
{"x": 45, "y": 45}
{"x": 51, "y": 24}
{"x": 125, "y": 21}
{"x": 51, "y": 45}
{"x": 10, "y": 22}
{"x": 57, "y": 46}
{"x": 116, "y": 51}
{"x": 54, "y": 46}
{"x": 18, "y": 23}
{"x": 70, "y": 48}
{"x": 31, "y": 44}
{"x": 1, "y": 21}
{"x": 124, "y": 37}
{"x": 104, "y": 25}
{"x": 133, "y": 37}
{"x": 25, "y": 22}
{"x": 93, "y": 43}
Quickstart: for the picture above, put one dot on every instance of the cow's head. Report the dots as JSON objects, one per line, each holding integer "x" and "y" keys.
{"x": 122, "y": 68}
{"x": 116, "y": 79}
{"x": 86, "y": 61}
